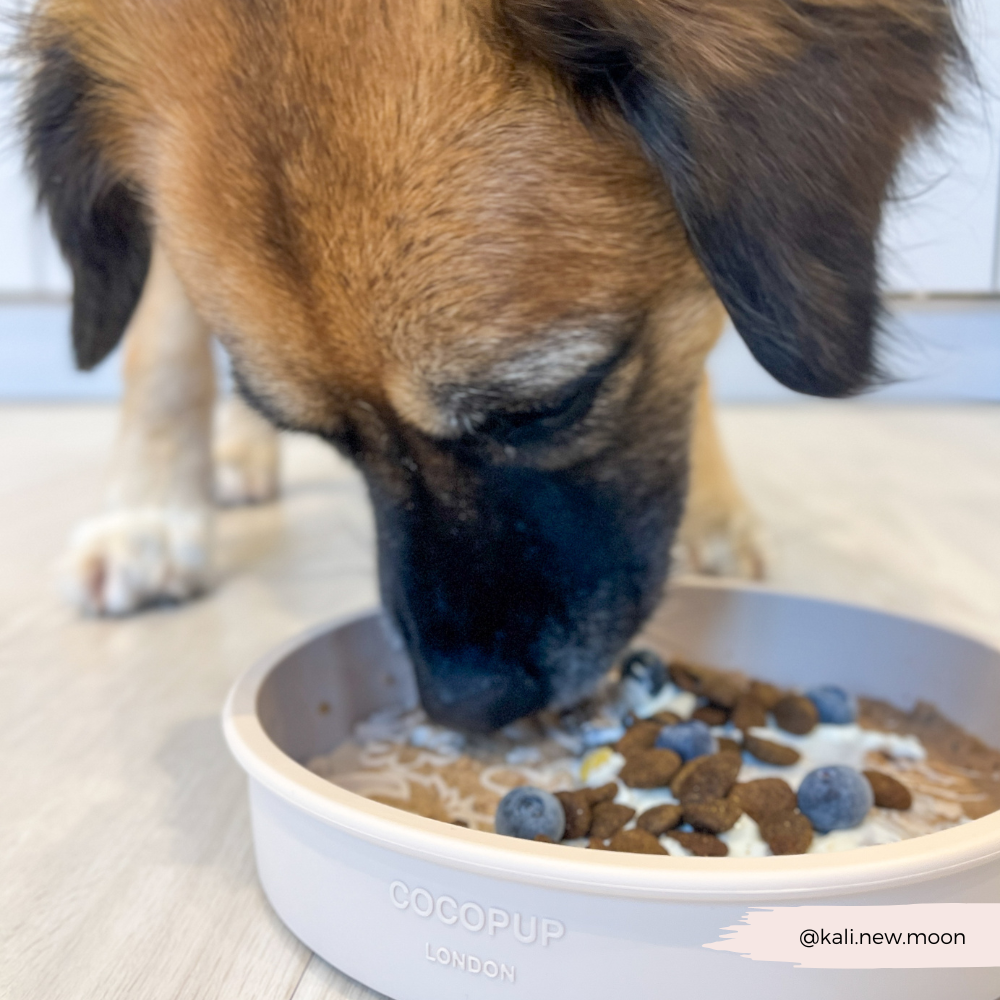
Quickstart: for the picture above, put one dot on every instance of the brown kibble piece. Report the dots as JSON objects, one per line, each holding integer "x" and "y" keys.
{"x": 659, "y": 819}
{"x": 711, "y": 715}
{"x": 749, "y": 712}
{"x": 764, "y": 798}
{"x": 767, "y": 694}
{"x": 665, "y": 718}
{"x": 544, "y": 838}
{"x": 681, "y": 776}
{"x": 609, "y": 819}
{"x": 718, "y": 687}
{"x": 636, "y": 842}
{"x": 686, "y": 677}
{"x": 605, "y": 793}
{"x": 727, "y": 745}
{"x": 640, "y": 736}
{"x": 795, "y": 714}
{"x": 722, "y": 691}
{"x": 596, "y": 844}
{"x": 702, "y": 845}
{"x": 650, "y": 768}
{"x": 889, "y": 793}
{"x": 716, "y": 816}
{"x": 576, "y": 806}
{"x": 770, "y": 752}
{"x": 787, "y": 833}
{"x": 711, "y": 778}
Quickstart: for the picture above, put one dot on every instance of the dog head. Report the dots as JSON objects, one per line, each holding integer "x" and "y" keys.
{"x": 480, "y": 247}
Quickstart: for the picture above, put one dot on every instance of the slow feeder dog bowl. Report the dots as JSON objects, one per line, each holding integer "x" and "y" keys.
{"x": 421, "y": 910}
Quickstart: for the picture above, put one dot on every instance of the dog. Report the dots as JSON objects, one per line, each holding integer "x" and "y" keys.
{"x": 482, "y": 247}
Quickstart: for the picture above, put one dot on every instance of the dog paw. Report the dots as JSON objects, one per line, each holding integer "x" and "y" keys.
{"x": 125, "y": 560}
{"x": 247, "y": 457}
{"x": 245, "y": 480}
{"x": 727, "y": 544}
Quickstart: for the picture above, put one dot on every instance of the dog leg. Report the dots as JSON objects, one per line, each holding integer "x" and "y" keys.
{"x": 247, "y": 455}
{"x": 153, "y": 542}
{"x": 718, "y": 535}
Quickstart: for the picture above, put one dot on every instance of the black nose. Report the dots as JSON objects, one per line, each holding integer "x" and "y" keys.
{"x": 467, "y": 689}
{"x": 516, "y": 590}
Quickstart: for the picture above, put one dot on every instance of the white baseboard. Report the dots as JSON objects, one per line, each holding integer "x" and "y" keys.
{"x": 942, "y": 351}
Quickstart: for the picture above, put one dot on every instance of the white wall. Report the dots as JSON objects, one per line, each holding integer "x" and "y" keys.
{"x": 943, "y": 234}
{"x": 941, "y": 238}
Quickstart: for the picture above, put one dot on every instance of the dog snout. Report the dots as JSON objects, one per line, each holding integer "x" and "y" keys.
{"x": 515, "y": 588}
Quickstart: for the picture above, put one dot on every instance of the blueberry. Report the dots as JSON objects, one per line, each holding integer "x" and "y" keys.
{"x": 834, "y": 704}
{"x": 526, "y": 812}
{"x": 689, "y": 739}
{"x": 647, "y": 668}
{"x": 835, "y": 797}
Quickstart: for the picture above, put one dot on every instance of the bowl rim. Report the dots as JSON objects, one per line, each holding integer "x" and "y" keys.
{"x": 651, "y": 877}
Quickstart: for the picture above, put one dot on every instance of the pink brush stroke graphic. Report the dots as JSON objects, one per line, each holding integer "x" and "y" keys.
{"x": 914, "y": 936}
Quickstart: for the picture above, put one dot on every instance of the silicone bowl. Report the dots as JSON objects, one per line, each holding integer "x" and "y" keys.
{"x": 422, "y": 910}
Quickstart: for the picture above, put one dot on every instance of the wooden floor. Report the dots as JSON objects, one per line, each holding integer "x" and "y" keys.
{"x": 126, "y": 868}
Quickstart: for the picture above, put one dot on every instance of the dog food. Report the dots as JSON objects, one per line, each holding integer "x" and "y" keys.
{"x": 685, "y": 760}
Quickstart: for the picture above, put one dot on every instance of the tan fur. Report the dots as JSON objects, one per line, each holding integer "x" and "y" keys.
{"x": 153, "y": 540}
{"x": 394, "y": 222}
{"x": 719, "y": 534}
{"x": 247, "y": 455}
{"x": 298, "y": 180}
{"x": 336, "y": 240}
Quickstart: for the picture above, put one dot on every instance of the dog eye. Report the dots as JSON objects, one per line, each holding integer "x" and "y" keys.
{"x": 524, "y": 427}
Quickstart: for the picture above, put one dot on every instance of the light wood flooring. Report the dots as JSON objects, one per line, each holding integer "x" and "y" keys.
{"x": 126, "y": 868}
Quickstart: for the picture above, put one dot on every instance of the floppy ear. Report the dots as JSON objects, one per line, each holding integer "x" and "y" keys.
{"x": 96, "y": 217}
{"x": 778, "y": 125}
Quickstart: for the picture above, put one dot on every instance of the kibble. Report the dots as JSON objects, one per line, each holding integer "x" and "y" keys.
{"x": 764, "y": 798}
{"x": 717, "y": 687}
{"x": 770, "y": 752}
{"x": 767, "y": 694}
{"x": 711, "y": 715}
{"x": 889, "y": 793}
{"x": 576, "y": 808}
{"x": 659, "y": 819}
{"x": 605, "y": 793}
{"x": 715, "y": 816}
{"x": 640, "y": 736}
{"x": 727, "y": 745}
{"x": 686, "y": 677}
{"x": 608, "y": 819}
{"x": 795, "y": 714}
{"x": 702, "y": 845}
{"x": 666, "y": 718}
{"x": 650, "y": 768}
{"x": 682, "y": 775}
{"x": 787, "y": 833}
{"x": 636, "y": 842}
{"x": 749, "y": 712}
{"x": 709, "y": 778}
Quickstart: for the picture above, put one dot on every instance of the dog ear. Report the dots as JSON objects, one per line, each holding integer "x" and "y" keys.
{"x": 96, "y": 217}
{"x": 778, "y": 125}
